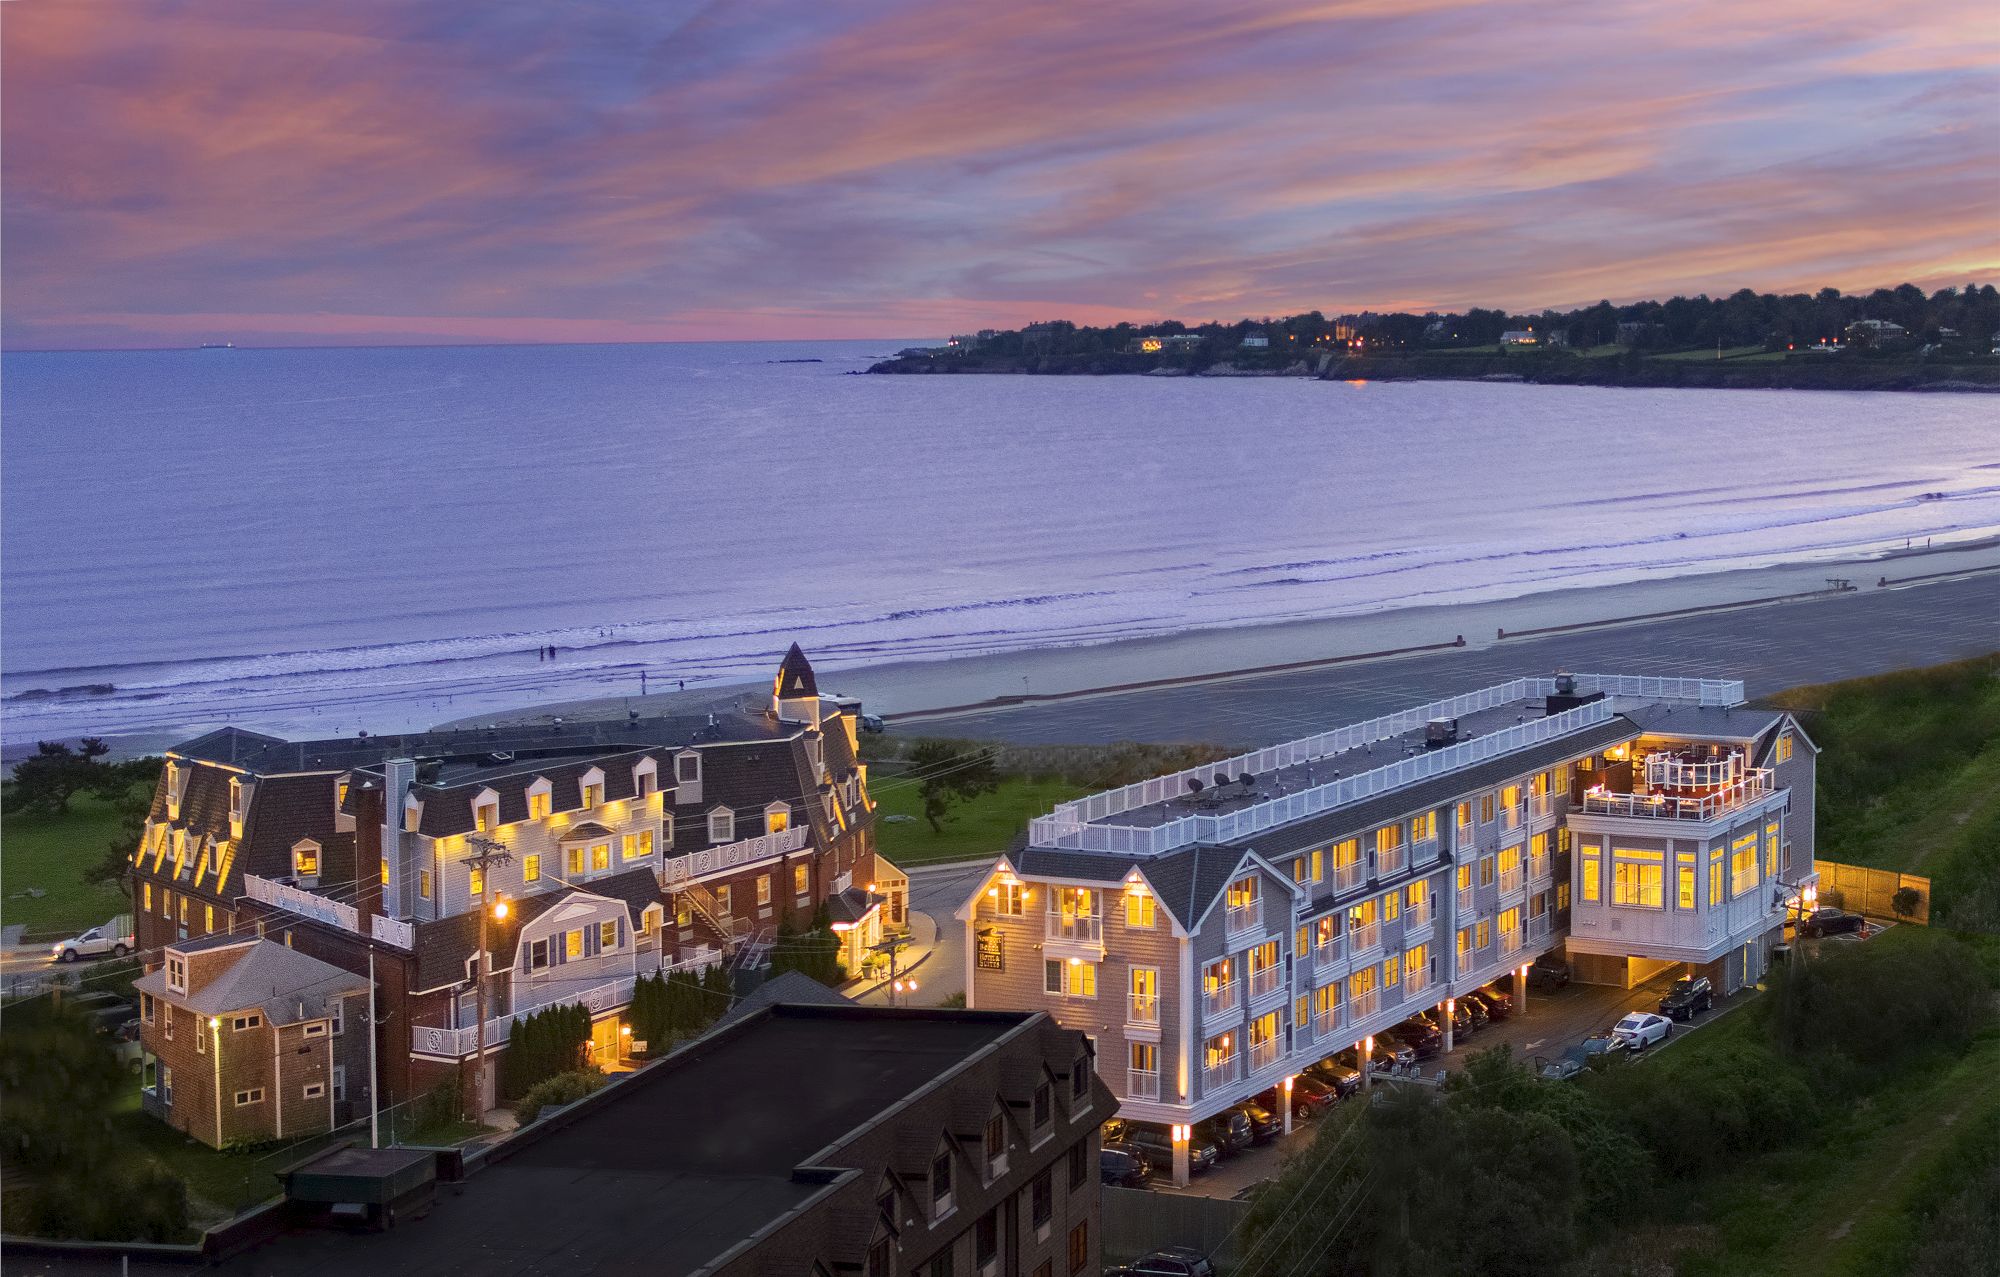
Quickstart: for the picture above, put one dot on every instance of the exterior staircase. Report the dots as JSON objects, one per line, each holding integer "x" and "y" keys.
{"x": 703, "y": 905}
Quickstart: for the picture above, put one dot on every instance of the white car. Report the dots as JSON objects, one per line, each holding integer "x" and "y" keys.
{"x": 114, "y": 937}
{"x": 1641, "y": 1029}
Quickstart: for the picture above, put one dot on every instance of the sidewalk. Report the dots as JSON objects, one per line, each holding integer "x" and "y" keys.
{"x": 922, "y": 947}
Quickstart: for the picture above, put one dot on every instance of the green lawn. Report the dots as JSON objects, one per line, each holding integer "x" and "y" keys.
{"x": 982, "y": 826}
{"x": 51, "y": 854}
{"x": 1708, "y": 353}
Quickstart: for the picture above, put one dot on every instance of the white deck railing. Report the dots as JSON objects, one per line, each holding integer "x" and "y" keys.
{"x": 456, "y": 1042}
{"x": 1755, "y": 784}
{"x": 732, "y": 855}
{"x": 1670, "y": 771}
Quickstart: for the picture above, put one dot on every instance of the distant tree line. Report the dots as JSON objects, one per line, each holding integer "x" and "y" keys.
{"x": 1966, "y": 318}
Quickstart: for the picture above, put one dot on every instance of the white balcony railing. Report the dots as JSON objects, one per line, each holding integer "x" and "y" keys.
{"x": 1142, "y": 1008}
{"x": 1248, "y": 916}
{"x": 1671, "y": 771}
{"x": 1424, "y": 851}
{"x": 1468, "y": 833}
{"x": 1541, "y": 806}
{"x": 1391, "y": 862}
{"x": 1415, "y": 982}
{"x": 465, "y": 1041}
{"x": 1538, "y": 927}
{"x": 735, "y": 855}
{"x": 1223, "y": 1072}
{"x": 1142, "y": 1085}
{"x": 1417, "y": 914}
{"x": 1541, "y": 867}
{"x": 1756, "y": 784}
{"x": 1082, "y": 928}
{"x": 1511, "y": 881}
{"x": 1220, "y": 999}
{"x": 1265, "y": 982}
{"x": 1349, "y": 877}
{"x": 1362, "y": 1005}
{"x": 1263, "y": 1054}
{"x": 1510, "y": 942}
{"x": 1512, "y": 818}
{"x": 1364, "y": 939}
{"x": 1328, "y": 954}
{"x": 1465, "y": 905}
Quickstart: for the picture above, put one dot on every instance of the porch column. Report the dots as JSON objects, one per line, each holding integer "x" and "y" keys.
{"x": 1285, "y": 1100}
{"x": 1364, "y": 1053}
{"x": 1448, "y": 1006}
{"x": 1181, "y": 1134}
{"x": 1521, "y": 989}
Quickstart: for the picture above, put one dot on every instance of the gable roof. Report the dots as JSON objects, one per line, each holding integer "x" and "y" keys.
{"x": 287, "y": 986}
{"x": 795, "y": 675}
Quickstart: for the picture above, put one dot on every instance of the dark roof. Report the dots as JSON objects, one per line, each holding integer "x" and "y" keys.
{"x": 1735, "y": 722}
{"x": 795, "y": 675}
{"x": 851, "y": 905}
{"x": 1186, "y": 881}
{"x": 288, "y": 986}
{"x": 645, "y": 1178}
{"x": 1358, "y": 818}
{"x": 793, "y": 988}
{"x": 636, "y": 887}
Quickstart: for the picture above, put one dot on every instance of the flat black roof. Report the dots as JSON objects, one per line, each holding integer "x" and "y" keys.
{"x": 675, "y": 1166}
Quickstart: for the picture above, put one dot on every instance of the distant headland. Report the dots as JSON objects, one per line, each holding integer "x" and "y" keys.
{"x": 1890, "y": 339}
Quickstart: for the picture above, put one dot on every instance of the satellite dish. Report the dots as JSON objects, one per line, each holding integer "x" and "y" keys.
{"x": 1246, "y": 780}
{"x": 1194, "y": 784}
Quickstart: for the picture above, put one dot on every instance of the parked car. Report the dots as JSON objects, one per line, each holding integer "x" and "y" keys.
{"x": 1600, "y": 1044}
{"x": 104, "y": 1011}
{"x": 1422, "y": 1036}
{"x": 1342, "y": 1072}
{"x": 1157, "y": 1143}
{"x": 1311, "y": 1096}
{"x": 1829, "y": 921}
{"x": 1563, "y": 1067}
{"x": 1123, "y": 1166}
{"x": 113, "y": 939}
{"x": 1465, "y": 1021}
{"x": 1499, "y": 1003}
{"x": 1392, "y": 1050}
{"x": 1548, "y": 972}
{"x": 872, "y": 723}
{"x": 1228, "y": 1130}
{"x": 1641, "y": 1029}
{"x": 1265, "y": 1125}
{"x": 1168, "y": 1261}
{"x": 126, "y": 1046}
{"x": 1689, "y": 997}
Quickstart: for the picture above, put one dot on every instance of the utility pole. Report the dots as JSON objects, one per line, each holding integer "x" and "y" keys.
{"x": 894, "y": 946}
{"x": 486, "y": 853}
{"x": 374, "y": 1081}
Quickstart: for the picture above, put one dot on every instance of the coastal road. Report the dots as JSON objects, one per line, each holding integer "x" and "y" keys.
{"x": 1770, "y": 647}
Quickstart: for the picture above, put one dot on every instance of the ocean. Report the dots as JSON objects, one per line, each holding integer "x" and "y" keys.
{"x": 327, "y": 540}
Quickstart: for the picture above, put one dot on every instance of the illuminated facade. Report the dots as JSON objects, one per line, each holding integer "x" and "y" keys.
{"x": 1216, "y": 930}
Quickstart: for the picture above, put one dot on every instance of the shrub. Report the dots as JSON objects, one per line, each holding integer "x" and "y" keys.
{"x": 1860, "y": 1012}
{"x": 553, "y": 1092}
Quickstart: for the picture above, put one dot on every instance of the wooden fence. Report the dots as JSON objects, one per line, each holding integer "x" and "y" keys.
{"x": 1870, "y": 891}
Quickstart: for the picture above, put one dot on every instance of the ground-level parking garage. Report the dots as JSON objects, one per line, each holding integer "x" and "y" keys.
{"x": 1551, "y": 1022}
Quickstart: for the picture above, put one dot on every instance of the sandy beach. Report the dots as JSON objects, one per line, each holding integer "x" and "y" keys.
{"x": 911, "y": 689}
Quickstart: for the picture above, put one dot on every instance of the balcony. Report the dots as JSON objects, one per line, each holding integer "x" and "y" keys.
{"x": 1465, "y": 906}
{"x": 1223, "y": 1072}
{"x": 1362, "y": 1005}
{"x": 1512, "y": 818}
{"x": 1510, "y": 942}
{"x": 1219, "y": 1000}
{"x": 1541, "y": 806}
{"x": 1511, "y": 882}
{"x": 1415, "y": 982}
{"x": 734, "y": 855}
{"x": 1076, "y": 928}
{"x": 1689, "y": 771}
{"x": 1418, "y": 914}
{"x": 1391, "y": 862}
{"x": 1142, "y": 1085}
{"x": 1142, "y": 1008}
{"x": 1364, "y": 940}
{"x": 1265, "y": 982}
{"x": 1328, "y": 954}
{"x": 1349, "y": 877}
{"x": 1263, "y": 1054}
{"x": 1756, "y": 784}
{"x": 1468, "y": 833}
{"x": 1541, "y": 868}
{"x": 425, "y": 1040}
{"x": 1538, "y": 927}
{"x": 1424, "y": 851}
{"x": 1244, "y": 917}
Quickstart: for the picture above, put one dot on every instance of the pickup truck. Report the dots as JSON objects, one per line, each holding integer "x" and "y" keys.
{"x": 114, "y": 938}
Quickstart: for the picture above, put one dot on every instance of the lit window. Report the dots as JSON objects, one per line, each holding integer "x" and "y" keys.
{"x": 1141, "y": 910}
{"x": 801, "y": 880}
{"x": 593, "y": 795}
{"x": 1684, "y": 877}
{"x": 645, "y": 843}
{"x": 1743, "y": 864}
{"x": 1070, "y": 979}
{"x": 1636, "y": 878}
{"x": 607, "y": 935}
{"x": 538, "y": 805}
{"x": 777, "y": 818}
{"x": 600, "y": 856}
{"x": 628, "y": 847}
{"x": 572, "y": 944}
{"x": 424, "y": 883}
{"x": 1784, "y": 747}
{"x": 177, "y": 973}
{"x": 1593, "y": 870}
{"x": 763, "y": 889}
{"x": 1771, "y": 850}
{"x": 478, "y": 880}
{"x": 384, "y": 870}
{"x": 1482, "y": 934}
{"x": 486, "y": 817}
{"x": 305, "y": 860}
{"x": 576, "y": 862}
{"x": 531, "y": 869}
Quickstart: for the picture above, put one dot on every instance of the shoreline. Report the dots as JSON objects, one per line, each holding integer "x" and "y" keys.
{"x": 911, "y": 691}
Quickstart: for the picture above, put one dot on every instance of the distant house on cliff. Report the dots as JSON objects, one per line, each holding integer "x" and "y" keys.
{"x": 1519, "y": 337}
{"x": 1256, "y": 339}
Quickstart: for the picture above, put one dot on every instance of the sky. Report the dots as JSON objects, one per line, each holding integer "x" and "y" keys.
{"x": 347, "y": 171}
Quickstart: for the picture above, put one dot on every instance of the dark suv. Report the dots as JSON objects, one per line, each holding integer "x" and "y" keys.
{"x": 1123, "y": 1165}
{"x": 1229, "y": 1131}
{"x": 1342, "y": 1072}
{"x": 1264, "y": 1124}
{"x": 1828, "y": 921}
{"x": 1426, "y": 1038}
{"x": 1157, "y": 1143}
{"x": 1690, "y": 996}
{"x": 1548, "y": 973}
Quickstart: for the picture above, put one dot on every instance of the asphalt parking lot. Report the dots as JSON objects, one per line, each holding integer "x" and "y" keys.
{"x": 1551, "y": 1022}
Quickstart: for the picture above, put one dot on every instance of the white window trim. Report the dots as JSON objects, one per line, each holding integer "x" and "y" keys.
{"x": 647, "y": 767}
{"x": 727, "y": 818}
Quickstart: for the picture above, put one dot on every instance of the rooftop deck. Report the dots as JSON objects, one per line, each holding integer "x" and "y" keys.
{"x": 1289, "y": 781}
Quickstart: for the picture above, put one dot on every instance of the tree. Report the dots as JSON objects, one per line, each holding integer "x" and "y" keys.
{"x": 1905, "y": 902}
{"x": 46, "y": 780}
{"x": 814, "y": 952}
{"x": 948, "y": 772}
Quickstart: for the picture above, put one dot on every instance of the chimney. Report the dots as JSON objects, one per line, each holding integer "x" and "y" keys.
{"x": 368, "y": 850}
{"x": 398, "y": 774}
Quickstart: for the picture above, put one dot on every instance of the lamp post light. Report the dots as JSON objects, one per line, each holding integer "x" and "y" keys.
{"x": 485, "y": 854}
{"x": 215, "y": 1058}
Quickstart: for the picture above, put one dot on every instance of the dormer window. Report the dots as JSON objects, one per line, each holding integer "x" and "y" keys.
{"x": 687, "y": 768}
{"x": 305, "y": 859}
{"x": 645, "y": 778}
{"x": 486, "y": 816}
{"x": 173, "y": 791}
{"x": 777, "y": 818}
{"x": 996, "y": 1147}
{"x": 722, "y": 825}
{"x": 592, "y": 782}
{"x": 539, "y": 799}
{"x": 177, "y": 973}
{"x": 941, "y": 1198}
{"x": 235, "y": 807}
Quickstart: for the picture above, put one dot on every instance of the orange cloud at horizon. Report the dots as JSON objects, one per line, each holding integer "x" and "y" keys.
{"x": 615, "y": 172}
